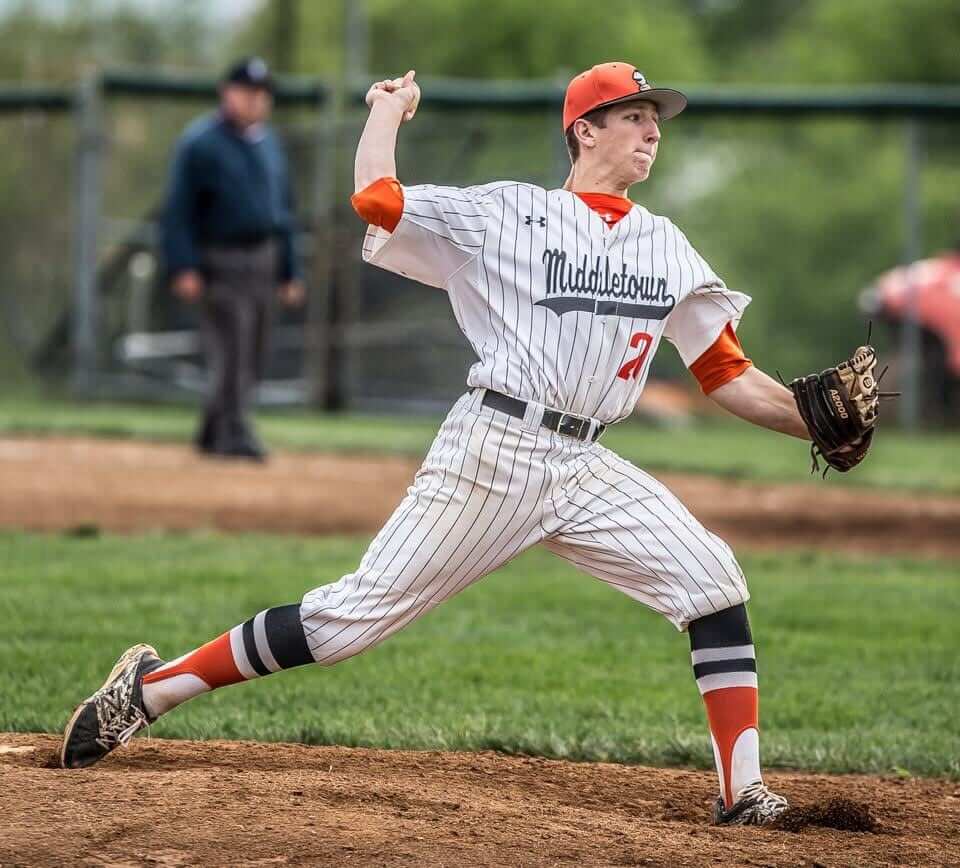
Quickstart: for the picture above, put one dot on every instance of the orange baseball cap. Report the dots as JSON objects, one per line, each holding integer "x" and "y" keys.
{"x": 610, "y": 83}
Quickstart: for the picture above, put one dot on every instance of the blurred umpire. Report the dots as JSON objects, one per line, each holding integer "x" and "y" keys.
{"x": 228, "y": 240}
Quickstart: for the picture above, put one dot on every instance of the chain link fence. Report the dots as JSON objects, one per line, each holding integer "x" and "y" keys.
{"x": 37, "y": 139}
{"x": 799, "y": 200}
{"x": 799, "y": 205}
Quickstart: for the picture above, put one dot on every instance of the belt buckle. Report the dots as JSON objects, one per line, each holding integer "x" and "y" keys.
{"x": 572, "y": 425}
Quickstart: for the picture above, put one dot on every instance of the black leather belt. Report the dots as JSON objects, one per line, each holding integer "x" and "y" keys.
{"x": 562, "y": 423}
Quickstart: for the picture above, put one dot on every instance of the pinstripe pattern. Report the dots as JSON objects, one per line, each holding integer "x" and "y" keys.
{"x": 488, "y": 248}
{"x": 661, "y": 544}
{"x": 493, "y": 485}
{"x": 489, "y": 489}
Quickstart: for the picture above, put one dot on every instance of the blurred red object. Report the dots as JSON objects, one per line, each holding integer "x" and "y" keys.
{"x": 936, "y": 283}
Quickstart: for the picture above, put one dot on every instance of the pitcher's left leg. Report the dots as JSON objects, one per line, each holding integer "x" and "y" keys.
{"x": 627, "y": 529}
{"x": 623, "y": 526}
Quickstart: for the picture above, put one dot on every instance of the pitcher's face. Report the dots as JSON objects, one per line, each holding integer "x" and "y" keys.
{"x": 629, "y": 139}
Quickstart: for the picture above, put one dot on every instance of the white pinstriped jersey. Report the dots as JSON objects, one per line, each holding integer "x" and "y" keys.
{"x": 560, "y": 309}
{"x": 565, "y": 313}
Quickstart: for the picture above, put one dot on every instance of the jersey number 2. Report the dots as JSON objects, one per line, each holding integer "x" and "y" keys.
{"x": 631, "y": 370}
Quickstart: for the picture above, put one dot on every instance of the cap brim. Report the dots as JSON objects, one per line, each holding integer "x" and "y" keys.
{"x": 669, "y": 102}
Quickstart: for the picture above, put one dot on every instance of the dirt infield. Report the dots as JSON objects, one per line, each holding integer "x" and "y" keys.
{"x": 69, "y": 483}
{"x": 239, "y": 803}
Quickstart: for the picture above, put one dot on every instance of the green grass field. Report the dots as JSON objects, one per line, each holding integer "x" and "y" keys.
{"x": 722, "y": 447}
{"x": 859, "y": 659}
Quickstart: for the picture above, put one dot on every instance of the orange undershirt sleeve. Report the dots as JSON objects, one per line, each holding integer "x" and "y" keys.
{"x": 380, "y": 204}
{"x": 722, "y": 362}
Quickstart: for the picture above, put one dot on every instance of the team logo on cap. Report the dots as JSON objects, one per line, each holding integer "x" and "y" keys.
{"x": 638, "y": 77}
{"x": 256, "y": 69}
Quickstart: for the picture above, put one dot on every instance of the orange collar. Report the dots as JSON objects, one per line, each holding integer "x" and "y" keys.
{"x": 611, "y": 209}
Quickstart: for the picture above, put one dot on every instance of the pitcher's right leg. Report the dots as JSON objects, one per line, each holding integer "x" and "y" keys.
{"x": 475, "y": 503}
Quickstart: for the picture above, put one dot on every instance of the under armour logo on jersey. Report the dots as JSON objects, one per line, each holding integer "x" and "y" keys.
{"x": 541, "y": 221}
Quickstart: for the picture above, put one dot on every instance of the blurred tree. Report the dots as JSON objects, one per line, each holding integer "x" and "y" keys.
{"x": 872, "y": 41}
{"x": 747, "y": 41}
{"x": 800, "y": 214}
{"x": 35, "y": 46}
{"x": 733, "y": 28}
{"x": 285, "y": 24}
{"x": 494, "y": 38}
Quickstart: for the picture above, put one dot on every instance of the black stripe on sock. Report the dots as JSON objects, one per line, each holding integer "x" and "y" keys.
{"x": 715, "y": 667}
{"x": 721, "y": 629}
{"x": 285, "y": 636}
{"x": 250, "y": 646}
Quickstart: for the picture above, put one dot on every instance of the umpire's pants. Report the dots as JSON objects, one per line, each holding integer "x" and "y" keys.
{"x": 235, "y": 315}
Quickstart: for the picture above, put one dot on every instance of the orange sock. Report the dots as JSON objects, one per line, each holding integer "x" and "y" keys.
{"x": 211, "y": 663}
{"x": 732, "y": 712}
{"x": 210, "y": 666}
{"x": 269, "y": 642}
{"x": 725, "y": 666}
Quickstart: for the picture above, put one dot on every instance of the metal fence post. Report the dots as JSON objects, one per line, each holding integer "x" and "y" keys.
{"x": 557, "y": 136}
{"x": 323, "y": 378}
{"x": 356, "y": 42}
{"x": 910, "y": 343}
{"x": 85, "y": 316}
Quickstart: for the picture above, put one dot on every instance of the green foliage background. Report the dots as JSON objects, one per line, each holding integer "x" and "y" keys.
{"x": 800, "y": 214}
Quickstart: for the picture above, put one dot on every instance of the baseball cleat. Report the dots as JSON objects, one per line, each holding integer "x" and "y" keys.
{"x": 755, "y": 805}
{"x": 113, "y": 714}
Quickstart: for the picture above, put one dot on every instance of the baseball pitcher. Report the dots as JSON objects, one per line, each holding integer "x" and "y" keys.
{"x": 565, "y": 296}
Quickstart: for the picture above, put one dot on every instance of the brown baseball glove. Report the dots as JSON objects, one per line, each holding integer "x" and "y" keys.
{"x": 840, "y": 407}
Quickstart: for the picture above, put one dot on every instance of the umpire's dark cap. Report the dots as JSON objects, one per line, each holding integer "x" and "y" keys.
{"x": 250, "y": 71}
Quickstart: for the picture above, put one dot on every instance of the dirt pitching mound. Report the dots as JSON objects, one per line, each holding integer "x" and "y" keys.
{"x": 239, "y": 803}
{"x": 838, "y": 813}
{"x": 84, "y": 484}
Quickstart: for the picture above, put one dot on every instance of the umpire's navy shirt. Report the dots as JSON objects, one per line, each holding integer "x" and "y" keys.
{"x": 228, "y": 187}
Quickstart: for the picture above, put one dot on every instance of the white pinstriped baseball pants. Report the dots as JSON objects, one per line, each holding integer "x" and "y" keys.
{"x": 491, "y": 487}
